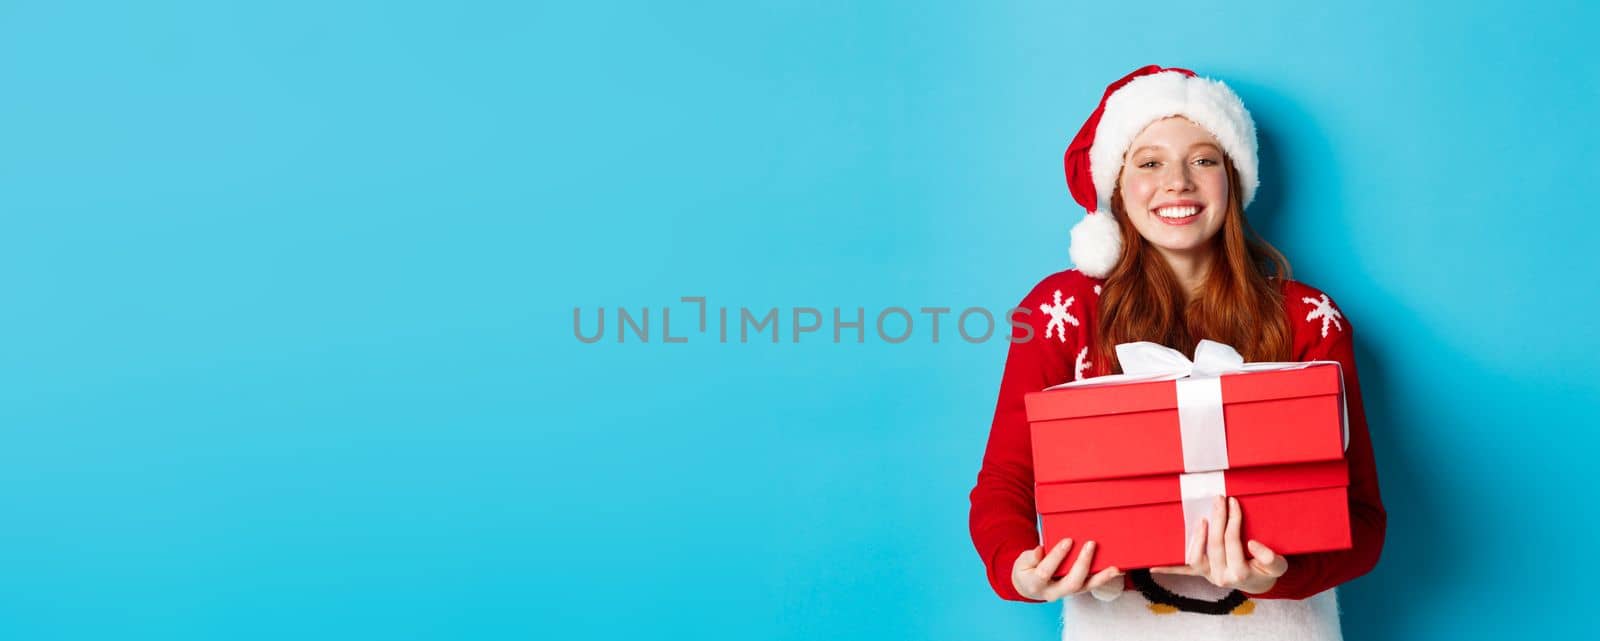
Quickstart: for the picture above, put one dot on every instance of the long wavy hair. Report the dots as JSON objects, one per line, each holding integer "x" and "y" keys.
{"x": 1240, "y": 302}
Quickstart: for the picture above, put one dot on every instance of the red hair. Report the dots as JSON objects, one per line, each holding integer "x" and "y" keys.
{"x": 1240, "y": 302}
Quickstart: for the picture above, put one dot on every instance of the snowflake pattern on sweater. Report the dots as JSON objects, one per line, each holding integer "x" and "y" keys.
{"x": 1059, "y": 316}
{"x": 1323, "y": 309}
{"x": 1003, "y": 519}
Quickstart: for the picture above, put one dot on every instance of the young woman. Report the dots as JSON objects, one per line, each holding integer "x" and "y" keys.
{"x": 1166, "y": 165}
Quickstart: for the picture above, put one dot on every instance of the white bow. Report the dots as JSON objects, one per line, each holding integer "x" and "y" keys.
{"x": 1152, "y": 359}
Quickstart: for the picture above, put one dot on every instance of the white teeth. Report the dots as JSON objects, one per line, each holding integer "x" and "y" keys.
{"x": 1177, "y": 212}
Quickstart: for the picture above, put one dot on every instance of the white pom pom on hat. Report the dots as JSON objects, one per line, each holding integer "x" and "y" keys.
{"x": 1094, "y": 159}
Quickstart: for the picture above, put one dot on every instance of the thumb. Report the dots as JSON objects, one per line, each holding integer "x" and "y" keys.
{"x": 1030, "y": 558}
{"x": 1271, "y": 563}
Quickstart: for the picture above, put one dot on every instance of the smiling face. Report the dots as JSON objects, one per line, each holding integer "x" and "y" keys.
{"x": 1174, "y": 186}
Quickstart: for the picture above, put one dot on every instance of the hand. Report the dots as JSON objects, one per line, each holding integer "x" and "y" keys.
{"x": 1215, "y": 553}
{"x": 1031, "y": 574}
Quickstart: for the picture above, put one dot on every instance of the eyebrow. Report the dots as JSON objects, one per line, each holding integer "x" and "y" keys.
{"x": 1198, "y": 144}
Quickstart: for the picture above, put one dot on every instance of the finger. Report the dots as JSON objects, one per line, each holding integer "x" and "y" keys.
{"x": 1199, "y": 563}
{"x": 1268, "y": 562}
{"x": 1080, "y": 567}
{"x": 1237, "y": 570}
{"x": 1072, "y": 583}
{"x": 1023, "y": 576}
{"x": 1197, "y": 545}
{"x": 1028, "y": 559}
{"x": 1047, "y": 567}
{"x": 1103, "y": 577}
{"x": 1175, "y": 569}
{"x": 1107, "y": 585}
{"x": 1217, "y": 558}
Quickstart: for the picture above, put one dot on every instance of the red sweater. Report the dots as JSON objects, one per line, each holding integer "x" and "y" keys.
{"x": 1003, "y": 518}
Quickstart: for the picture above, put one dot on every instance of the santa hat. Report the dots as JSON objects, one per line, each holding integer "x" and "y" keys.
{"x": 1130, "y": 104}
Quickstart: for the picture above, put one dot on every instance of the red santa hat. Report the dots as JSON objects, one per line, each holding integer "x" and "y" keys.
{"x": 1094, "y": 159}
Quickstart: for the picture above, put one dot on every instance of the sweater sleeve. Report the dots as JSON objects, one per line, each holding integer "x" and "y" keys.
{"x": 1310, "y": 574}
{"x": 1003, "y": 518}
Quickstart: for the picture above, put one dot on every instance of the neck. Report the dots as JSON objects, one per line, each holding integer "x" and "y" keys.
{"x": 1191, "y": 268}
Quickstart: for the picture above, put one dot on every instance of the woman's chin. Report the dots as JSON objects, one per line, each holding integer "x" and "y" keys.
{"x": 1179, "y": 243}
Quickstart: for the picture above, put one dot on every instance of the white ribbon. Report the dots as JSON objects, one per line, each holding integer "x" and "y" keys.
{"x": 1200, "y": 422}
{"x": 1199, "y": 491}
{"x": 1204, "y": 435}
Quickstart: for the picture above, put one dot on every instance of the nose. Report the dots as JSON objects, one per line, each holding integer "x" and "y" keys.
{"x": 1178, "y": 178}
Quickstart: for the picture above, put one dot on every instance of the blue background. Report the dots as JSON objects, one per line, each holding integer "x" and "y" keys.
{"x": 288, "y": 293}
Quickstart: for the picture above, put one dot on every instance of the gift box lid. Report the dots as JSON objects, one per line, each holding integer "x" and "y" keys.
{"x": 1132, "y": 429}
{"x": 1241, "y": 387}
{"x": 1167, "y": 488}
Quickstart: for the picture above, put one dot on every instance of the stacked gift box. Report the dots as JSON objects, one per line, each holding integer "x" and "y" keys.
{"x": 1135, "y": 464}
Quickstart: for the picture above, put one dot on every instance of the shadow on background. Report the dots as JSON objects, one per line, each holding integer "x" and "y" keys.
{"x": 1418, "y": 533}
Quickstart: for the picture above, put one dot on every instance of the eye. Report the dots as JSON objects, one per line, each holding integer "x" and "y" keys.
{"x": 1147, "y": 164}
{"x": 1207, "y": 162}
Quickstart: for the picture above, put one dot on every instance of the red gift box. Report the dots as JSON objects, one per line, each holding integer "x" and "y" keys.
{"x": 1140, "y": 522}
{"x": 1110, "y": 462}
